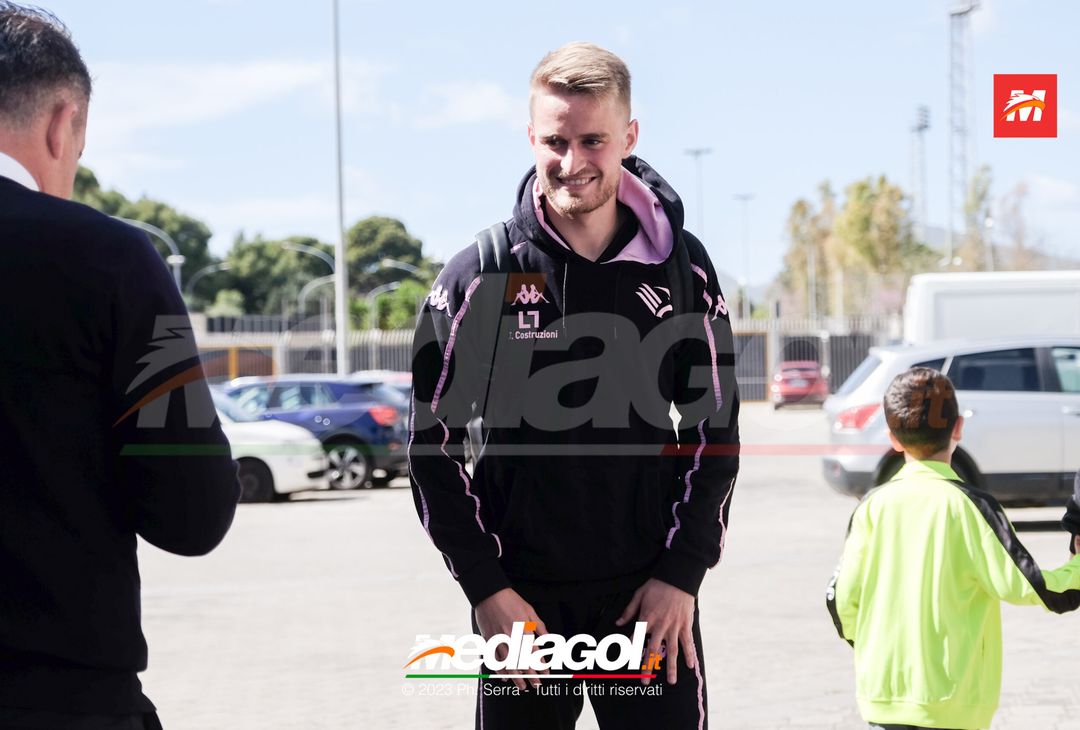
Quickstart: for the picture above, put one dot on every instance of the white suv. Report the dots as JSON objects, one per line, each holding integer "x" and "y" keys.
{"x": 1020, "y": 398}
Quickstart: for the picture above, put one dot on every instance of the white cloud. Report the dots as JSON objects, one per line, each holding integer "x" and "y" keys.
{"x": 1053, "y": 193}
{"x": 277, "y": 216}
{"x": 271, "y": 216}
{"x": 360, "y": 94}
{"x": 472, "y": 102}
{"x": 133, "y": 98}
{"x": 124, "y": 164}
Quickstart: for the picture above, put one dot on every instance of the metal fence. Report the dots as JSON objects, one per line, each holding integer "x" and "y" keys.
{"x": 838, "y": 344}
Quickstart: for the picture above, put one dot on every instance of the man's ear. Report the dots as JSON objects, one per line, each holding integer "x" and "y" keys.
{"x": 532, "y": 134}
{"x": 958, "y": 429}
{"x": 631, "y": 138}
{"x": 60, "y": 132}
{"x": 897, "y": 446}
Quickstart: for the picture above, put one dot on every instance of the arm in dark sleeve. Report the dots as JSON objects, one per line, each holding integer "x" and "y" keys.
{"x": 844, "y": 594}
{"x": 1071, "y": 520}
{"x": 448, "y": 374}
{"x": 707, "y": 399}
{"x": 172, "y": 458}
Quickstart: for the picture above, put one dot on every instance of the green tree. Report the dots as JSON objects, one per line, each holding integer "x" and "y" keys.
{"x": 873, "y": 229}
{"x": 191, "y": 235}
{"x": 806, "y": 263}
{"x": 271, "y": 276}
{"x": 228, "y": 303}
{"x": 371, "y": 240}
{"x": 974, "y": 251}
{"x": 398, "y": 310}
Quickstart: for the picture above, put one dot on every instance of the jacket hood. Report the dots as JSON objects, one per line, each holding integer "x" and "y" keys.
{"x": 658, "y": 209}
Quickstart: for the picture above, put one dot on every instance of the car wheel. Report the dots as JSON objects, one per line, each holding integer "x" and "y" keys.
{"x": 350, "y": 466}
{"x": 256, "y": 482}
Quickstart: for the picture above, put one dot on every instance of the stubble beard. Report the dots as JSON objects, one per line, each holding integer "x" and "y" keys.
{"x": 570, "y": 206}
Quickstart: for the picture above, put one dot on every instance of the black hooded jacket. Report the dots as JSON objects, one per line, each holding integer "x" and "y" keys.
{"x": 583, "y": 484}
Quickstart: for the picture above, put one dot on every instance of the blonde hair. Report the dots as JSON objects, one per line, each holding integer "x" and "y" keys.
{"x": 582, "y": 68}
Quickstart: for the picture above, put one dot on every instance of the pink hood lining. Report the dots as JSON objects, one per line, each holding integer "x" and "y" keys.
{"x": 654, "y": 239}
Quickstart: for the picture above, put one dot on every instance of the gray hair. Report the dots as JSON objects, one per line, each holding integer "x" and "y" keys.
{"x": 38, "y": 58}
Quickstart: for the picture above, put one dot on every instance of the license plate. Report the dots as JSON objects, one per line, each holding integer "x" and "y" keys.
{"x": 798, "y": 383}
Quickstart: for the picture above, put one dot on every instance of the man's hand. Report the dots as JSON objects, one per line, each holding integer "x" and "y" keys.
{"x": 1076, "y": 544}
{"x": 669, "y": 617}
{"x": 497, "y": 613}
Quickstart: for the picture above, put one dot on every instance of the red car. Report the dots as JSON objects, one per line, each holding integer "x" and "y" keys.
{"x": 798, "y": 381}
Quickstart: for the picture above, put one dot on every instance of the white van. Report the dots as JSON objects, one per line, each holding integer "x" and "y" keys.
{"x": 983, "y": 304}
{"x": 1020, "y": 398}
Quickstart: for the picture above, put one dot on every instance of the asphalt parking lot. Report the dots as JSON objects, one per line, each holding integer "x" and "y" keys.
{"x": 304, "y": 617}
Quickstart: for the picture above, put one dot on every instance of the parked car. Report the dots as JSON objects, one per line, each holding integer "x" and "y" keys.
{"x": 398, "y": 380}
{"x": 360, "y": 420}
{"x": 275, "y": 458}
{"x": 1020, "y": 398}
{"x": 798, "y": 381}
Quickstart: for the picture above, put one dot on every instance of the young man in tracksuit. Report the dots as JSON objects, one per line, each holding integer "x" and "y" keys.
{"x": 588, "y": 510}
{"x": 925, "y": 567}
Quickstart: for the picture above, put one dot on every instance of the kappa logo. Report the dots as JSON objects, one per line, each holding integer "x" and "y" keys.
{"x": 529, "y": 295}
{"x": 657, "y": 304}
{"x": 439, "y": 298}
{"x": 1025, "y": 105}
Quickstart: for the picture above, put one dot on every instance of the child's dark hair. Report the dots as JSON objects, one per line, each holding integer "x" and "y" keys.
{"x": 921, "y": 410}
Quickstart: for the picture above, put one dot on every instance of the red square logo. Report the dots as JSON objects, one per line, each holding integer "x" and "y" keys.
{"x": 1025, "y": 105}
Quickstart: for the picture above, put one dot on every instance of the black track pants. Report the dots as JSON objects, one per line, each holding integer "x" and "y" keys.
{"x": 681, "y": 706}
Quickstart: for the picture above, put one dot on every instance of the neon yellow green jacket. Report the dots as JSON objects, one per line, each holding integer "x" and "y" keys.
{"x": 918, "y": 593}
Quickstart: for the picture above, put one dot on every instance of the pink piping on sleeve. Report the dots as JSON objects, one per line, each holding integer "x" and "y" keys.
{"x": 709, "y": 336}
{"x": 450, "y": 342}
{"x": 420, "y": 490}
{"x": 701, "y": 426}
{"x": 446, "y": 431}
{"x": 689, "y": 485}
{"x": 723, "y": 525}
{"x": 468, "y": 486}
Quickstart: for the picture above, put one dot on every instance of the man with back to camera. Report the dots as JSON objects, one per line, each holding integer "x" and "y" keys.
{"x": 582, "y": 514}
{"x": 99, "y": 383}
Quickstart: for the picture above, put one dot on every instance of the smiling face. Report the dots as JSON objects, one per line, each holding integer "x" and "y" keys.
{"x": 579, "y": 142}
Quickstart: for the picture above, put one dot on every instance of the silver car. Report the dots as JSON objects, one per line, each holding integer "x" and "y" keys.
{"x": 1020, "y": 398}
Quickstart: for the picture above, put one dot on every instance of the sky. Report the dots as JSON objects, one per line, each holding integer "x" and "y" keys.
{"x": 224, "y": 108}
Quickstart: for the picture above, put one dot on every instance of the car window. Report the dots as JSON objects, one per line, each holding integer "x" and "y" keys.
{"x": 378, "y": 391}
{"x": 859, "y": 376}
{"x": 253, "y": 399}
{"x": 1067, "y": 363}
{"x": 230, "y": 410}
{"x": 938, "y": 364}
{"x": 323, "y": 396}
{"x": 292, "y": 397}
{"x": 999, "y": 370}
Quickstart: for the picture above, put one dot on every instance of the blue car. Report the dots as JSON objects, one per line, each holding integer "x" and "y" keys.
{"x": 361, "y": 421}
